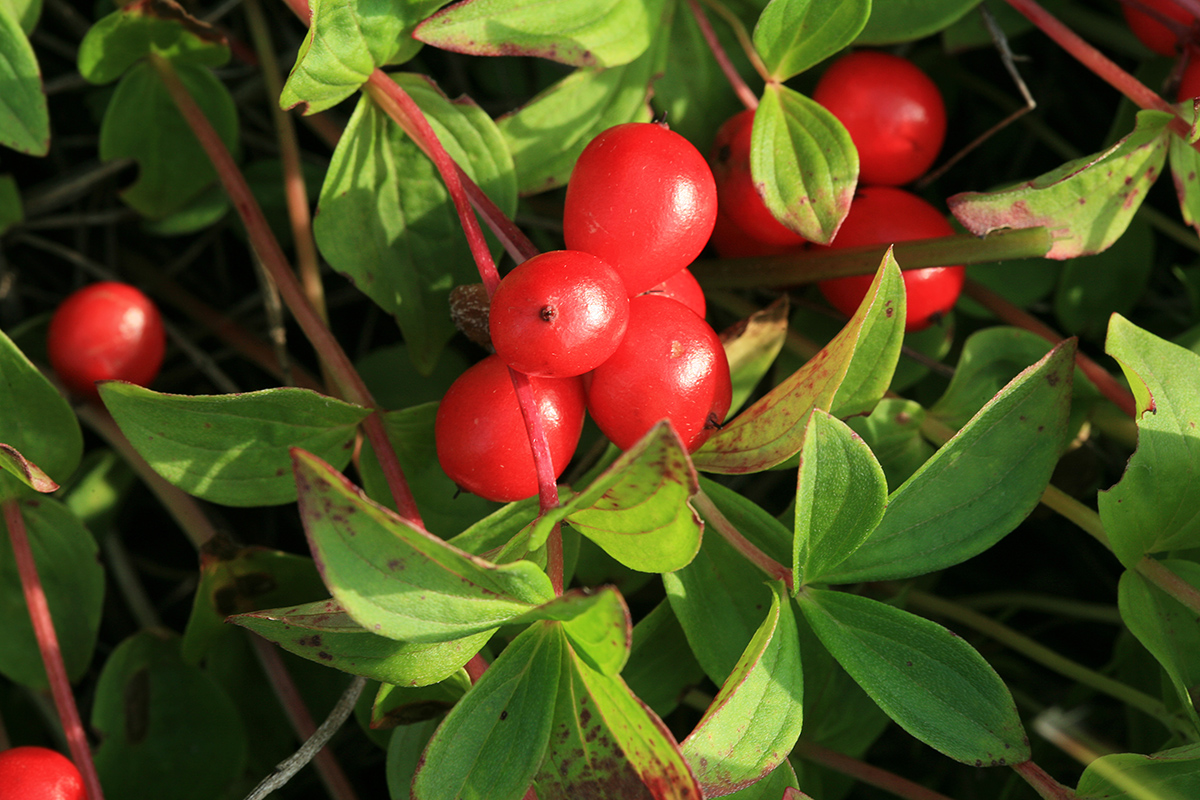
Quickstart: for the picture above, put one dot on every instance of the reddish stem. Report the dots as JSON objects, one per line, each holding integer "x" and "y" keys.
{"x": 47, "y": 639}
{"x": 864, "y": 772}
{"x": 740, "y": 88}
{"x": 1042, "y": 783}
{"x": 476, "y": 667}
{"x": 731, "y": 534}
{"x": 1001, "y": 307}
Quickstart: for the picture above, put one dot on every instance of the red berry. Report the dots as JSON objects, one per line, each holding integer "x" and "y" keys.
{"x": 730, "y": 241}
{"x": 35, "y": 773}
{"x": 671, "y": 365}
{"x": 893, "y": 112}
{"x": 642, "y": 199}
{"x": 1151, "y": 31}
{"x": 682, "y": 287}
{"x": 738, "y": 200}
{"x": 1189, "y": 82}
{"x": 105, "y": 331}
{"x": 559, "y": 314}
{"x": 884, "y": 215}
{"x": 481, "y": 439}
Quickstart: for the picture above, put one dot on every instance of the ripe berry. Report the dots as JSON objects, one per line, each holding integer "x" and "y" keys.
{"x": 559, "y": 314}
{"x": 642, "y": 199}
{"x": 1151, "y": 31}
{"x": 35, "y": 773}
{"x": 884, "y": 215}
{"x": 738, "y": 200}
{"x": 481, "y": 439}
{"x": 682, "y": 287}
{"x": 1189, "y": 81}
{"x": 893, "y": 112}
{"x": 104, "y": 331}
{"x": 670, "y": 365}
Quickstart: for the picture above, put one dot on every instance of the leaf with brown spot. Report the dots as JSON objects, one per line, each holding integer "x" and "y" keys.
{"x": 30, "y": 474}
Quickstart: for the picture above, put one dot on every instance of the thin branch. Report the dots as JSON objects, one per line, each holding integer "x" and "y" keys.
{"x": 713, "y": 516}
{"x": 864, "y": 772}
{"x": 743, "y": 37}
{"x": 1046, "y": 787}
{"x": 749, "y": 99}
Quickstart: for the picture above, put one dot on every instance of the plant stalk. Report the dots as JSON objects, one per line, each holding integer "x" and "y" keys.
{"x": 731, "y": 534}
{"x": 740, "y": 88}
{"x": 864, "y": 772}
{"x": 1046, "y": 787}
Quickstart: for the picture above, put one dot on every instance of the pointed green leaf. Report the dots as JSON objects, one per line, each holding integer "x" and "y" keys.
{"x": 1170, "y": 775}
{"x": 755, "y": 720}
{"x": 399, "y": 581}
{"x": 772, "y": 430}
{"x": 606, "y": 744}
{"x": 385, "y": 219}
{"x": 28, "y": 473}
{"x": 124, "y": 37}
{"x": 583, "y": 33}
{"x": 596, "y": 623}
{"x": 893, "y": 432}
{"x": 894, "y": 21}
{"x": 1185, "y": 170}
{"x": 407, "y": 705}
{"x": 931, "y": 682}
{"x": 803, "y": 163}
{"x": 979, "y": 485}
{"x": 233, "y": 448}
{"x": 751, "y": 347}
{"x": 872, "y": 371}
{"x": 1086, "y": 203}
{"x": 840, "y": 496}
{"x": 661, "y": 666}
{"x": 793, "y": 35}
{"x": 1156, "y": 504}
{"x": 24, "y": 117}
{"x": 491, "y": 743}
{"x": 46, "y": 432}
{"x": 1165, "y": 626}
{"x": 173, "y": 167}
{"x": 323, "y": 632}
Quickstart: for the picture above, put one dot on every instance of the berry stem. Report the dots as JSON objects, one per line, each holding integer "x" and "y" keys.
{"x": 47, "y": 639}
{"x": 741, "y": 89}
{"x": 713, "y": 516}
{"x": 267, "y": 248}
{"x": 744, "y": 39}
{"x": 1046, "y": 787}
{"x": 864, "y": 772}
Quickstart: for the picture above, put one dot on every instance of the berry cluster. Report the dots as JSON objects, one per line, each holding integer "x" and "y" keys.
{"x": 613, "y": 325}
{"x": 896, "y": 118}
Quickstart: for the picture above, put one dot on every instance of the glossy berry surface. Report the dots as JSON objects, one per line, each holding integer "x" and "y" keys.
{"x": 885, "y": 215}
{"x": 36, "y": 773}
{"x": 671, "y": 365}
{"x": 893, "y": 112}
{"x": 739, "y": 203}
{"x": 481, "y": 439}
{"x": 682, "y": 287}
{"x": 559, "y": 314}
{"x": 1151, "y": 31}
{"x": 105, "y": 331}
{"x": 1189, "y": 81}
{"x": 642, "y": 199}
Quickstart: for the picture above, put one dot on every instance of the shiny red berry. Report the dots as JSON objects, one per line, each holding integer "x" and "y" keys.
{"x": 642, "y": 199}
{"x": 671, "y": 365}
{"x": 738, "y": 200}
{"x": 682, "y": 287}
{"x": 893, "y": 112}
{"x": 1151, "y": 30}
{"x": 36, "y": 773}
{"x": 1189, "y": 81}
{"x": 105, "y": 331}
{"x": 884, "y": 215}
{"x": 481, "y": 439}
{"x": 559, "y": 314}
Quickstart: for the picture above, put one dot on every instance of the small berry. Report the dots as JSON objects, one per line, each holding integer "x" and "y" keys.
{"x": 559, "y": 314}
{"x": 682, "y": 287}
{"x": 671, "y": 365}
{"x": 884, "y": 215}
{"x": 481, "y": 439}
{"x": 893, "y": 112}
{"x": 1151, "y": 31}
{"x": 105, "y": 331}
{"x": 1189, "y": 81}
{"x": 642, "y": 199}
{"x": 36, "y": 773}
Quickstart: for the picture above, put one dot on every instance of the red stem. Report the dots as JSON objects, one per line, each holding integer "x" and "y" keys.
{"x": 1042, "y": 783}
{"x": 47, "y": 639}
{"x": 748, "y": 98}
{"x": 266, "y": 246}
{"x": 864, "y": 772}
{"x": 731, "y": 534}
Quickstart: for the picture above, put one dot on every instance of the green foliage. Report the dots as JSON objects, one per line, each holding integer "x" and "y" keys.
{"x": 24, "y": 117}
{"x": 793, "y": 35}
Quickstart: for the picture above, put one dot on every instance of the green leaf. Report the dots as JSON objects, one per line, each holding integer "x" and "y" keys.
{"x": 346, "y": 41}
{"x": 166, "y": 728}
{"x": 774, "y": 786}
{"x": 926, "y": 678}
{"x": 26, "y": 11}
{"x": 751, "y": 347}
{"x": 793, "y": 35}
{"x": 1156, "y": 504}
{"x": 233, "y": 448}
{"x": 404, "y": 705}
{"x": 979, "y": 485}
{"x": 873, "y": 368}
{"x": 583, "y": 33}
{"x": 893, "y": 432}
{"x": 173, "y": 167}
{"x": 803, "y": 163}
{"x": 1093, "y": 288}
{"x": 599, "y": 628}
{"x": 28, "y": 473}
{"x": 755, "y": 720}
{"x": 1086, "y": 203}
{"x": 46, "y": 432}
{"x": 1185, "y": 166}
{"x": 399, "y": 581}
{"x": 491, "y": 743}
{"x": 72, "y": 578}
{"x": 1170, "y": 775}
{"x": 323, "y": 632}
{"x": 604, "y": 743}
{"x": 894, "y": 21}
{"x": 24, "y": 117}
{"x": 385, "y": 219}
{"x": 1165, "y": 626}
{"x": 840, "y": 496}
{"x": 772, "y": 430}
{"x": 12, "y": 211}
{"x": 162, "y": 27}
{"x": 661, "y": 666}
